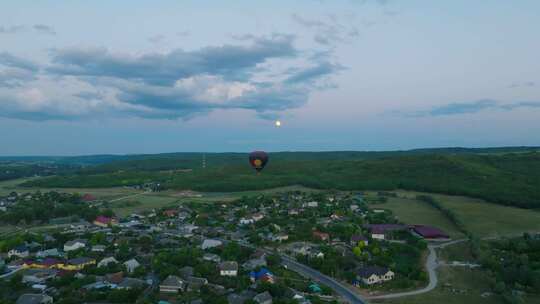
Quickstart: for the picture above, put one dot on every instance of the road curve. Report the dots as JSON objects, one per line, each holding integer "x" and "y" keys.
{"x": 431, "y": 266}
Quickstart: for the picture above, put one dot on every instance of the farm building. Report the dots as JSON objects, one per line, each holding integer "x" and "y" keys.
{"x": 430, "y": 233}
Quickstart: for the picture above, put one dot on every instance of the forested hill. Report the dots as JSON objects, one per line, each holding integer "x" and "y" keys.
{"x": 503, "y": 178}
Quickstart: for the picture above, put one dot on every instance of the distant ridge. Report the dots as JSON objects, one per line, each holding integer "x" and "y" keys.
{"x": 98, "y": 159}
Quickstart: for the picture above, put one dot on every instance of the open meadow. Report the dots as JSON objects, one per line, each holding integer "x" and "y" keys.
{"x": 484, "y": 219}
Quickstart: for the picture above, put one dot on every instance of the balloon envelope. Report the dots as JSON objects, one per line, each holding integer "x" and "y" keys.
{"x": 258, "y": 159}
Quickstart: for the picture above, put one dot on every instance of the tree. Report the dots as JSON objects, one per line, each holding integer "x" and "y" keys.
{"x": 357, "y": 250}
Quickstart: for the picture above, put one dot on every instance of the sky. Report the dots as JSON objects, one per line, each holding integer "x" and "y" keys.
{"x": 128, "y": 77}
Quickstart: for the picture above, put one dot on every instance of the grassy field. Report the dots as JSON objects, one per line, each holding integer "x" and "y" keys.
{"x": 11, "y": 185}
{"x": 457, "y": 252}
{"x": 457, "y": 285}
{"x": 484, "y": 219}
{"x": 141, "y": 203}
{"x": 411, "y": 211}
{"x": 105, "y": 193}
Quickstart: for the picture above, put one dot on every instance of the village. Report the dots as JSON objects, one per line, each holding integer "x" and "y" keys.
{"x": 196, "y": 252}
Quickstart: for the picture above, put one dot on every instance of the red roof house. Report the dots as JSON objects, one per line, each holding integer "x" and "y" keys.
{"x": 321, "y": 235}
{"x": 105, "y": 221}
{"x": 170, "y": 212}
{"x": 88, "y": 198}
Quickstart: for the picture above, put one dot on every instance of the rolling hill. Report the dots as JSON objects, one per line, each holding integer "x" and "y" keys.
{"x": 491, "y": 174}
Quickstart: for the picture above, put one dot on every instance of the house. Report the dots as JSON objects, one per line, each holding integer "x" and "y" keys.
{"x": 79, "y": 226}
{"x": 378, "y": 231}
{"x": 357, "y": 238}
{"x": 131, "y": 283}
{"x": 131, "y": 265}
{"x": 211, "y": 257}
{"x": 315, "y": 288}
{"x": 229, "y": 269}
{"x": 321, "y": 236}
{"x": 209, "y": 243}
{"x": 312, "y": 204}
{"x": 280, "y": 237}
{"x": 53, "y": 252}
{"x": 240, "y": 298}
{"x": 105, "y": 221}
{"x": 195, "y": 283}
{"x": 107, "y": 261}
{"x": 316, "y": 254}
{"x": 430, "y": 233}
{"x": 293, "y": 212}
{"x": 99, "y": 248}
{"x": 300, "y": 248}
{"x": 77, "y": 263}
{"x": 257, "y": 217}
{"x": 263, "y": 275}
{"x": 38, "y": 275}
{"x": 30, "y": 298}
{"x": 15, "y": 264}
{"x": 170, "y": 212}
{"x": 335, "y": 217}
{"x": 114, "y": 278}
{"x": 98, "y": 285}
{"x": 88, "y": 198}
{"x": 374, "y": 274}
{"x": 255, "y": 263}
{"x": 19, "y": 251}
{"x": 42, "y": 264}
{"x": 32, "y": 246}
{"x": 246, "y": 221}
{"x": 263, "y": 298}
{"x": 186, "y": 272}
{"x": 378, "y": 234}
{"x": 300, "y": 299}
{"x": 74, "y": 245}
{"x": 39, "y": 287}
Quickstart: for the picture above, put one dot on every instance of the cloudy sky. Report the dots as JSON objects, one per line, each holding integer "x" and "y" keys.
{"x": 87, "y": 77}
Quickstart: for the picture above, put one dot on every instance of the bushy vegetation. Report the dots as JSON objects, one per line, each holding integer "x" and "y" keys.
{"x": 515, "y": 266}
{"x": 42, "y": 207}
{"x": 448, "y": 213}
{"x": 509, "y": 179}
{"x": 13, "y": 170}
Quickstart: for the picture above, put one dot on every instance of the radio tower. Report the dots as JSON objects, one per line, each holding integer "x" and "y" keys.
{"x": 204, "y": 161}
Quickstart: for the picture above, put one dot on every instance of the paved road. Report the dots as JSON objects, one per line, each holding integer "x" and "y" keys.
{"x": 5, "y": 275}
{"x": 339, "y": 288}
{"x": 344, "y": 291}
{"x": 431, "y": 266}
{"x": 129, "y": 196}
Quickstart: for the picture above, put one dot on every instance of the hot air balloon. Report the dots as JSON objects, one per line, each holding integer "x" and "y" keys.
{"x": 258, "y": 159}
